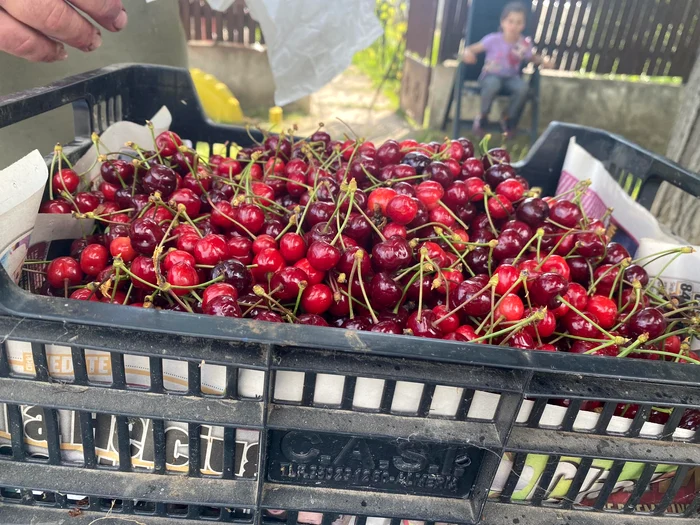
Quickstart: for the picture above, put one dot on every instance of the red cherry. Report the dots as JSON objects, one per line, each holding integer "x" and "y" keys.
{"x": 263, "y": 242}
{"x": 65, "y": 180}
{"x": 379, "y": 199}
{"x": 442, "y": 216}
{"x": 269, "y": 260}
{"x": 423, "y": 326}
{"x": 117, "y": 172}
{"x": 229, "y": 168}
{"x": 322, "y": 255}
{"x": 83, "y": 294}
{"x": 251, "y": 217}
{"x": 556, "y": 264}
{"x": 182, "y": 274}
{"x": 187, "y": 242}
{"x": 511, "y": 189}
{"x": 64, "y": 270}
{"x": 511, "y": 308}
{"x": 121, "y": 247}
{"x": 394, "y": 230}
{"x": 581, "y": 327}
{"x": 472, "y": 167}
{"x": 499, "y": 207}
{"x": 565, "y": 213}
{"x": 577, "y": 296}
{"x": 604, "y": 309}
{"x": 467, "y": 332}
{"x": 210, "y": 249}
{"x": 144, "y": 270}
{"x": 429, "y": 193}
{"x": 543, "y": 328}
{"x": 189, "y": 199}
{"x": 174, "y": 257}
{"x": 449, "y": 323}
{"x": 55, "y": 206}
{"x": 317, "y": 299}
{"x": 223, "y": 306}
{"x": 545, "y": 289}
{"x": 402, "y": 209}
{"x": 93, "y": 259}
{"x": 86, "y": 202}
{"x": 314, "y": 276}
{"x": 168, "y": 143}
{"x": 240, "y": 248}
{"x": 286, "y": 283}
{"x": 648, "y": 321}
{"x": 292, "y": 247}
{"x": 217, "y": 289}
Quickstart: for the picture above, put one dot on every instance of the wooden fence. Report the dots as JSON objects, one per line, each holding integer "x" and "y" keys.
{"x": 631, "y": 37}
{"x": 234, "y": 25}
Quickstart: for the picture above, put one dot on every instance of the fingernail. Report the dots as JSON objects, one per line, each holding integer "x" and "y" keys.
{"x": 96, "y": 41}
{"x": 62, "y": 55}
{"x": 121, "y": 20}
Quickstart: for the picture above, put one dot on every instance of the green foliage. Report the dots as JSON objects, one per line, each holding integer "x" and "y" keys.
{"x": 383, "y": 60}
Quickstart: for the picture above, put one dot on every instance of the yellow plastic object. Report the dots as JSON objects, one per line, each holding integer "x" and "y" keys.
{"x": 276, "y": 115}
{"x": 218, "y": 101}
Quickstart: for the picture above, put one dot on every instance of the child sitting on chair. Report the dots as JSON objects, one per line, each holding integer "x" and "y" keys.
{"x": 505, "y": 51}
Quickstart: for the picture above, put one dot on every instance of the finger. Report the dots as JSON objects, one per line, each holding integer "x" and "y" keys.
{"x": 55, "y": 19}
{"x": 21, "y": 41}
{"x": 110, "y": 14}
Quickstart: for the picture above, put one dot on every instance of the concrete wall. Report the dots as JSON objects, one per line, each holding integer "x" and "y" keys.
{"x": 245, "y": 70}
{"x": 641, "y": 112}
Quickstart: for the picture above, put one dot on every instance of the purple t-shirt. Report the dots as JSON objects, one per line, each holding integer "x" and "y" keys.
{"x": 503, "y": 58}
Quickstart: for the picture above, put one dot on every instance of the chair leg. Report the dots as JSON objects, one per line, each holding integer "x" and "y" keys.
{"x": 534, "y": 133}
{"x": 457, "y": 120}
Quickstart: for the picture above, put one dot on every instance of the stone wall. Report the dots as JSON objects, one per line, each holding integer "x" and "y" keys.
{"x": 643, "y": 112}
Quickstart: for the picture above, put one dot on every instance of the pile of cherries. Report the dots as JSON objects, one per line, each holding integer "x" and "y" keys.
{"x": 431, "y": 240}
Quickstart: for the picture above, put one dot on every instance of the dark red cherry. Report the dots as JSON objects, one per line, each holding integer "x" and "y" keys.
{"x": 423, "y": 325}
{"x": 565, "y": 213}
{"x": 545, "y": 289}
{"x": 384, "y": 291}
{"x": 533, "y": 211}
{"x": 223, "y": 306}
{"x": 648, "y": 320}
{"x": 234, "y": 273}
{"x": 392, "y": 254}
{"x": 145, "y": 235}
{"x": 160, "y": 178}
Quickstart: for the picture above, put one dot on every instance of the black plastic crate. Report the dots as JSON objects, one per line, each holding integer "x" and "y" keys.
{"x": 344, "y": 459}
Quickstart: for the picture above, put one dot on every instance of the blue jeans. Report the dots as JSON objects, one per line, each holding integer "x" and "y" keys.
{"x": 516, "y": 87}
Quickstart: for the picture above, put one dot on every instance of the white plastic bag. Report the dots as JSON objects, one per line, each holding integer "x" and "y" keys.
{"x": 309, "y": 42}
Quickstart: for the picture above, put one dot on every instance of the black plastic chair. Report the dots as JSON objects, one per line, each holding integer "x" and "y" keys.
{"x": 484, "y": 17}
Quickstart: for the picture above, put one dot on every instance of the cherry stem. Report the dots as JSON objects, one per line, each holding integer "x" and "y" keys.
{"x": 359, "y": 255}
{"x": 352, "y": 277}
{"x": 460, "y": 257}
{"x": 260, "y": 292}
{"x": 53, "y": 164}
{"x": 663, "y": 269}
{"x": 197, "y": 286}
{"x": 381, "y": 235}
{"x": 586, "y": 318}
{"x": 599, "y": 347}
{"x": 607, "y": 272}
{"x": 423, "y": 253}
{"x": 488, "y": 215}
{"x": 533, "y": 318}
{"x": 453, "y": 215}
{"x": 302, "y": 287}
{"x": 538, "y": 235}
{"x": 459, "y": 307}
{"x": 642, "y": 339}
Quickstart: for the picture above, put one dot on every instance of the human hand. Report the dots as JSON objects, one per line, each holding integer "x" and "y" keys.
{"x": 37, "y": 30}
{"x": 469, "y": 57}
{"x": 547, "y": 63}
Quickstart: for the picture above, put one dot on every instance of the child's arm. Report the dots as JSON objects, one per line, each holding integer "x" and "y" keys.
{"x": 471, "y": 52}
